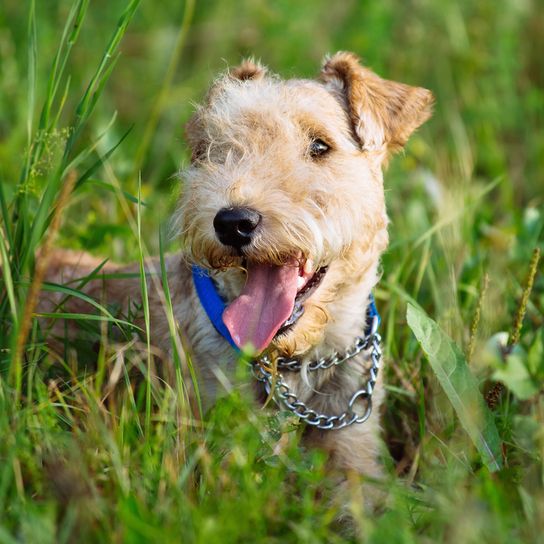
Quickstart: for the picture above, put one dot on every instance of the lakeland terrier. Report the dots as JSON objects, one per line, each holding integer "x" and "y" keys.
{"x": 283, "y": 222}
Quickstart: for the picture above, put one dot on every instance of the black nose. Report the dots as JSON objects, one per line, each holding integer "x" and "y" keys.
{"x": 235, "y": 226}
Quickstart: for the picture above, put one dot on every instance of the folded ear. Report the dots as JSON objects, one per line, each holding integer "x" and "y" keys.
{"x": 383, "y": 113}
{"x": 195, "y": 133}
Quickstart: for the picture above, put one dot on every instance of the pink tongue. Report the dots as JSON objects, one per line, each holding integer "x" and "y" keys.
{"x": 264, "y": 304}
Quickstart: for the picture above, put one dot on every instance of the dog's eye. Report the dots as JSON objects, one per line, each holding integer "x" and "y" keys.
{"x": 318, "y": 148}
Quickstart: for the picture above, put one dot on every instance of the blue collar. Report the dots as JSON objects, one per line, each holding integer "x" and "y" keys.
{"x": 211, "y": 301}
{"x": 214, "y": 305}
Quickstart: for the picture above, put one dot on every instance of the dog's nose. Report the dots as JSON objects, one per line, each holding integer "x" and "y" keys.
{"x": 235, "y": 226}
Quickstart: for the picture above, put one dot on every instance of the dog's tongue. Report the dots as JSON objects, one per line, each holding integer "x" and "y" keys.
{"x": 264, "y": 304}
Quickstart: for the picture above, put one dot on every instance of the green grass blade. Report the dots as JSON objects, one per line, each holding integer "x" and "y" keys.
{"x": 62, "y": 102}
{"x": 83, "y": 112}
{"x": 145, "y": 304}
{"x": 32, "y": 55}
{"x": 41, "y": 222}
{"x": 459, "y": 384}
{"x": 175, "y": 339}
{"x": 98, "y": 163}
{"x": 56, "y": 288}
{"x": 4, "y": 213}
{"x": 67, "y": 41}
{"x": 109, "y": 187}
{"x": 86, "y": 317}
{"x": 8, "y": 280}
{"x": 75, "y": 163}
{"x": 96, "y": 85}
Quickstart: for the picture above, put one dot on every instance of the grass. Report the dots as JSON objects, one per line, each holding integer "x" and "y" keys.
{"x": 93, "y": 98}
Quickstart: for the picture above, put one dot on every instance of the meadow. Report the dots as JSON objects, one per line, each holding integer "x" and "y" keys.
{"x": 94, "y": 448}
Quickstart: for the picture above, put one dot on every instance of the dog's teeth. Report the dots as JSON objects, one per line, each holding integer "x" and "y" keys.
{"x": 308, "y": 266}
{"x": 300, "y": 282}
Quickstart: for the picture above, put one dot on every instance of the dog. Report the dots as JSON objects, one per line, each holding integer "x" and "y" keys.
{"x": 282, "y": 221}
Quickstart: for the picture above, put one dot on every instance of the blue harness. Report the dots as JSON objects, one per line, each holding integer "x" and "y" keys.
{"x": 214, "y": 305}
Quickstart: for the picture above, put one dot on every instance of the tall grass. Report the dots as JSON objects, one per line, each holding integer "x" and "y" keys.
{"x": 94, "y": 446}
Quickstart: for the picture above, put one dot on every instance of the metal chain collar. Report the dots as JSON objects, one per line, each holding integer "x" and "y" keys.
{"x": 282, "y": 394}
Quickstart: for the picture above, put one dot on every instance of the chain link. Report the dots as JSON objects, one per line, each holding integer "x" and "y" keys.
{"x": 274, "y": 381}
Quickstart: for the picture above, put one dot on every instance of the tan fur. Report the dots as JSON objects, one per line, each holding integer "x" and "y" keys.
{"x": 250, "y": 142}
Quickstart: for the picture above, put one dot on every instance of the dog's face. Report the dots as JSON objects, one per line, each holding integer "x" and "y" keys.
{"x": 285, "y": 185}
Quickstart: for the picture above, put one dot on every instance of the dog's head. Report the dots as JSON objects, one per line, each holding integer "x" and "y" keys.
{"x": 285, "y": 185}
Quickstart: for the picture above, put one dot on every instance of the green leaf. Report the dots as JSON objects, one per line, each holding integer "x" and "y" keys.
{"x": 459, "y": 384}
{"x": 86, "y": 317}
{"x": 515, "y": 375}
{"x": 535, "y": 357}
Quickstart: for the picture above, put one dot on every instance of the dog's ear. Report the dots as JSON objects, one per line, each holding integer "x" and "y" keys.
{"x": 383, "y": 113}
{"x": 248, "y": 69}
{"x": 195, "y": 133}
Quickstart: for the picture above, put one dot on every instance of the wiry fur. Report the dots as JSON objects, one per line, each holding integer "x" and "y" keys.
{"x": 250, "y": 142}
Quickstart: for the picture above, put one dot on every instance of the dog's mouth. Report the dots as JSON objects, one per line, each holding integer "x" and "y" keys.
{"x": 271, "y": 301}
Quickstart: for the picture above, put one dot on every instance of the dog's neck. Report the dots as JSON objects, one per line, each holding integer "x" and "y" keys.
{"x": 347, "y": 314}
